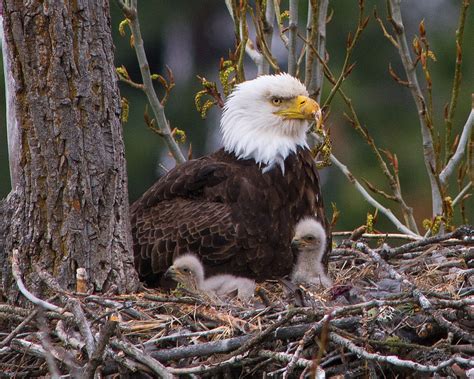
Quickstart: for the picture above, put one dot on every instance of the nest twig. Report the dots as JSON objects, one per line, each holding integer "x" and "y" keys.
{"x": 392, "y": 311}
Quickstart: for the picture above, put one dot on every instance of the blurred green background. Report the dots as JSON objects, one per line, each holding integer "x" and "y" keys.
{"x": 191, "y": 37}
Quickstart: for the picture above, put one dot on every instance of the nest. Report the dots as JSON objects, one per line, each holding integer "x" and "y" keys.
{"x": 392, "y": 312}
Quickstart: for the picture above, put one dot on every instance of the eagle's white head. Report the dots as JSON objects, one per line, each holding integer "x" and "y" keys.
{"x": 266, "y": 119}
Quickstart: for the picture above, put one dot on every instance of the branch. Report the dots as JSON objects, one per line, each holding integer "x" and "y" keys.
{"x": 361, "y": 24}
{"x": 387, "y": 212}
{"x": 461, "y": 194}
{"x": 21, "y": 286}
{"x": 83, "y": 326}
{"x": 393, "y": 359}
{"x": 460, "y": 150}
{"x": 158, "y": 109}
{"x": 457, "y": 74}
{"x": 293, "y": 31}
{"x": 230, "y": 344}
{"x": 378, "y": 235}
{"x": 107, "y": 331}
{"x": 141, "y": 357}
{"x": 410, "y": 70}
{"x": 422, "y": 300}
{"x": 47, "y": 345}
{"x": 393, "y": 181}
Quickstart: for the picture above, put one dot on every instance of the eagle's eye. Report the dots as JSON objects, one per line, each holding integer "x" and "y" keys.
{"x": 309, "y": 238}
{"x": 276, "y": 101}
{"x": 186, "y": 270}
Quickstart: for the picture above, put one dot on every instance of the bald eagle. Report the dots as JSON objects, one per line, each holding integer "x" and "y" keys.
{"x": 237, "y": 208}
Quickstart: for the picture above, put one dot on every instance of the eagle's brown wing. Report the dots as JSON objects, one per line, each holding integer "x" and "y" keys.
{"x": 179, "y": 226}
{"x": 190, "y": 210}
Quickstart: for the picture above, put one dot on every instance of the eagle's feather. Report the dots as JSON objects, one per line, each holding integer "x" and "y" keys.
{"x": 236, "y": 211}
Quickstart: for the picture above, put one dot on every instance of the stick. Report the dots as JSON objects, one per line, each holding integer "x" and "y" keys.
{"x": 21, "y": 286}
{"x": 460, "y": 150}
{"x": 410, "y": 70}
{"x": 158, "y": 109}
{"x": 108, "y": 330}
{"x": 371, "y": 200}
{"x": 393, "y": 359}
{"x": 146, "y": 359}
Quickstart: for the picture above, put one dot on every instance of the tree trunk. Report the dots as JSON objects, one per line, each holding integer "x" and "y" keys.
{"x": 69, "y": 204}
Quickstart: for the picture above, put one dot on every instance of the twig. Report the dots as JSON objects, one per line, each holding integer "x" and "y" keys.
{"x": 361, "y": 24}
{"x": 422, "y": 300}
{"x": 393, "y": 359}
{"x": 46, "y": 342}
{"x": 83, "y": 326}
{"x": 391, "y": 253}
{"x": 284, "y": 357}
{"x": 18, "y": 329}
{"x": 308, "y": 336}
{"x": 387, "y": 212}
{"x": 393, "y": 181}
{"x": 460, "y": 150}
{"x": 141, "y": 357}
{"x": 66, "y": 339}
{"x": 158, "y": 109}
{"x": 108, "y": 330}
{"x": 449, "y": 326}
{"x": 230, "y": 344}
{"x": 410, "y": 70}
{"x": 378, "y": 235}
{"x": 293, "y": 30}
{"x": 201, "y": 369}
{"x": 461, "y": 194}
{"x": 457, "y": 75}
{"x": 21, "y": 286}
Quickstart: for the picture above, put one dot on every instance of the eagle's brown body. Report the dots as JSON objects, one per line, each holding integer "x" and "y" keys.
{"x": 237, "y": 219}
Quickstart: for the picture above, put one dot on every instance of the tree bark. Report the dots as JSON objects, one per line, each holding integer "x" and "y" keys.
{"x": 69, "y": 203}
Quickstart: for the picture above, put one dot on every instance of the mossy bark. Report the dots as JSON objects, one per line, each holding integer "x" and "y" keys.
{"x": 69, "y": 203}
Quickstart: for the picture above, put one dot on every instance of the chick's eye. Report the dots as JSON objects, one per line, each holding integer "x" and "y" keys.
{"x": 276, "y": 101}
{"x": 186, "y": 270}
{"x": 309, "y": 238}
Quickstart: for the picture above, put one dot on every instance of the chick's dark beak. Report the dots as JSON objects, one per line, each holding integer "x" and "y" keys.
{"x": 295, "y": 243}
{"x": 170, "y": 273}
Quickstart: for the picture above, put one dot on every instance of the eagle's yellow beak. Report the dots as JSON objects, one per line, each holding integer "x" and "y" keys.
{"x": 302, "y": 108}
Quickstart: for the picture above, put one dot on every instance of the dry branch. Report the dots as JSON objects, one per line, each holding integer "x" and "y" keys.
{"x": 130, "y": 11}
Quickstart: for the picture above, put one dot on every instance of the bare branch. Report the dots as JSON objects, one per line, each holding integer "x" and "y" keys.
{"x": 141, "y": 357}
{"x": 393, "y": 181}
{"x": 46, "y": 342}
{"x": 387, "y": 212}
{"x": 108, "y": 330}
{"x": 461, "y": 194}
{"x": 293, "y": 30}
{"x": 422, "y": 300}
{"x": 18, "y": 329}
{"x": 21, "y": 286}
{"x": 460, "y": 151}
{"x": 158, "y": 109}
{"x": 83, "y": 326}
{"x": 393, "y": 359}
{"x": 457, "y": 75}
{"x": 378, "y": 235}
{"x": 428, "y": 147}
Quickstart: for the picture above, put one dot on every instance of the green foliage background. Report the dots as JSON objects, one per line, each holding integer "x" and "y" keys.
{"x": 203, "y": 31}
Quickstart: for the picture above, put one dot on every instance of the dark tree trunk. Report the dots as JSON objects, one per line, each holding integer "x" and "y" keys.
{"x": 69, "y": 204}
